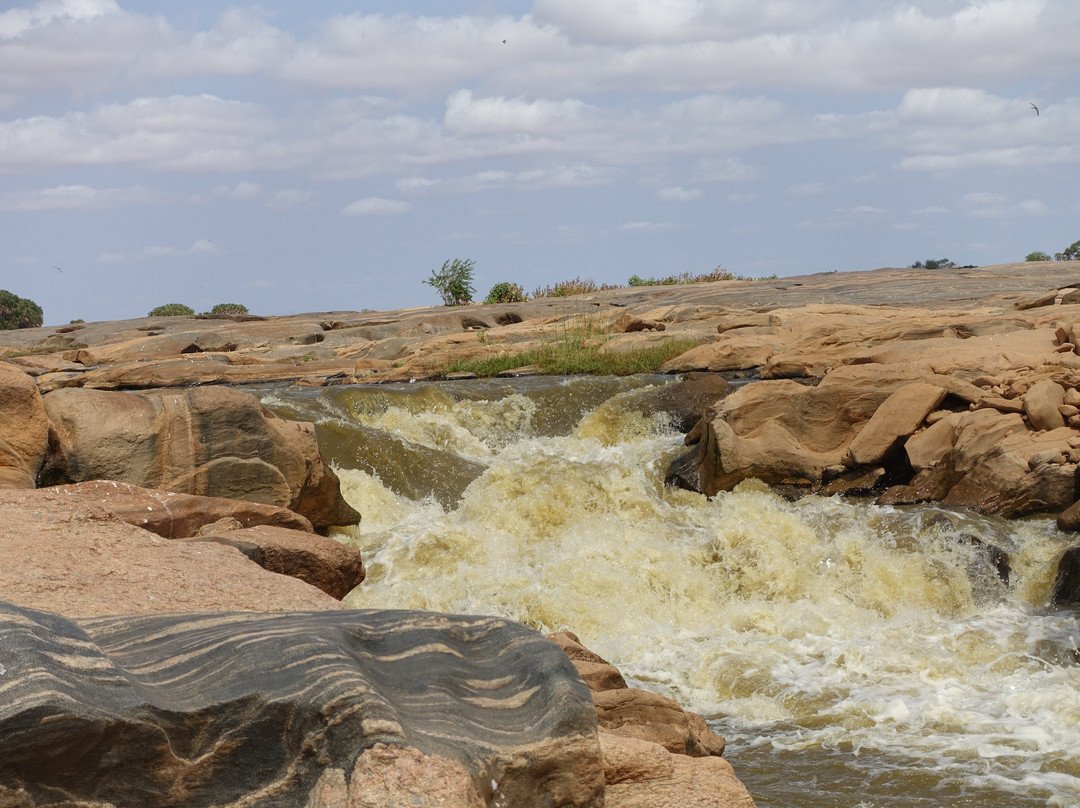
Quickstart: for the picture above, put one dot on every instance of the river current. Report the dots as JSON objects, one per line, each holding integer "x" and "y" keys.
{"x": 853, "y": 656}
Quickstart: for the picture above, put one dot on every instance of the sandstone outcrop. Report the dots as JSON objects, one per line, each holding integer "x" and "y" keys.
{"x": 66, "y": 555}
{"x": 24, "y": 428}
{"x": 277, "y": 710}
{"x": 209, "y": 441}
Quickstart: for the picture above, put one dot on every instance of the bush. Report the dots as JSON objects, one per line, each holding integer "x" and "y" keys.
{"x": 1038, "y": 255}
{"x": 454, "y": 282}
{"x": 505, "y": 293}
{"x": 229, "y": 308}
{"x": 171, "y": 310}
{"x": 18, "y": 312}
{"x": 934, "y": 263}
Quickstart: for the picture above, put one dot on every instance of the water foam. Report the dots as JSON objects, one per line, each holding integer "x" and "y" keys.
{"x": 820, "y": 626}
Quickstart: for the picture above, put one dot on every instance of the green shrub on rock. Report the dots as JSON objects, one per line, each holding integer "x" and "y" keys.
{"x": 505, "y": 293}
{"x": 172, "y": 310}
{"x": 454, "y": 281}
{"x": 229, "y": 308}
{"x": 18, "y": 312}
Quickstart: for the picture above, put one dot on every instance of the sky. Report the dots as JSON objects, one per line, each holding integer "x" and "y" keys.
{"x": 329, "y": 155}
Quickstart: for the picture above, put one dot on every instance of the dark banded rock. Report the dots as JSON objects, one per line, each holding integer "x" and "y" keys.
{"x": 255, "y": 709}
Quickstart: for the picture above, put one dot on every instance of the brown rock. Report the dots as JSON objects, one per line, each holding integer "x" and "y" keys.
{"x": 598, "y": 673}
{"x": 24, "y": 428}
{"x": 642, "y": 774}
{"x": 81, "y": 560}
{"x": 1001, "y": 404}
{"x": 628, "y": 323}
{"x": 326, "y": 564}
{"x": 1041, "y": 403}
{"x": 930, "y": 446}
{"x": 896, "y": 419}
{"x": 177, "y": 516}
{"x": 207, "y": 441}
{"x": 636, "y": 713}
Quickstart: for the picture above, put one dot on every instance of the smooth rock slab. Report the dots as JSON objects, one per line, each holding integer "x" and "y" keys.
{"x": 231, "y": 709}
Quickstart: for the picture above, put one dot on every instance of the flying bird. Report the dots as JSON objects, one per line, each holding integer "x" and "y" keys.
{"x": 1036, "y": 110}
{"x": 505, "y": 41}
{"x": 59, "y": 270}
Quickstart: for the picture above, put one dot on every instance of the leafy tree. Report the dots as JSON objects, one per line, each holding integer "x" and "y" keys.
{"x": 1070, "y": 253}
{"x": 454, "y": 282}
{"x": 18, "y": 312}
{"x": 229, "y": 308}
{"x": 934, "y": 263}
{"x": 171, "y": 310}
{"x": 505, "y": 293}
{"x": 1038, "y": 255}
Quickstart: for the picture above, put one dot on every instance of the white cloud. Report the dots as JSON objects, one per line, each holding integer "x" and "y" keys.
{"x": 18, "y": 21}
{"x": 807, "y": 189}
{"x": 652, "y": 227}
{"x": 72, "y": 197}
{"x": 204, "y": 247}
{"x": 677, "y": 193}
{"x": 726, "y": 169}
{"x": 466, "y": 114}
{"x": 375, "y": 206}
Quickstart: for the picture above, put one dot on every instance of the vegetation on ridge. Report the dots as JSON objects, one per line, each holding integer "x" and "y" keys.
{"x": 18, "y": 312}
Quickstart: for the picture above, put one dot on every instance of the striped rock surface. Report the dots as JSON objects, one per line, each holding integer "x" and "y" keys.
{"x": 275, "y": 709}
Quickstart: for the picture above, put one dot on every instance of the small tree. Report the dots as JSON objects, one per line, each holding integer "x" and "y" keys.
{"x": 1070, "y": 253}
{"x": 172, "y": 310}
{"x": 229, "y": 308}
{"x": 18, "y": 312}
{"x": 934, "y": 263}
{"x": 1038, "y": 255}
{"x": 454, "y": 282}
{"x": 505, "y": 293}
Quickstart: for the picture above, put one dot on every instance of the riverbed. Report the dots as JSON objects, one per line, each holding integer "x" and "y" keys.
{"x": 854, "y": 656}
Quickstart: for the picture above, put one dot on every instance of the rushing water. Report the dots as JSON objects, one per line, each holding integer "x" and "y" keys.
{"x": 852, "y": 655}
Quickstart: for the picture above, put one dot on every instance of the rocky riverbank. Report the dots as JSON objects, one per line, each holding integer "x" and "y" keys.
{"x": 135, "y": 473}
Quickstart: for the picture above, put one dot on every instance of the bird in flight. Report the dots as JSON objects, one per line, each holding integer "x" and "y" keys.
{"x": 59, "y": 270}
{"x": 1036, "y": 110}
{"x": 505, "y": 41}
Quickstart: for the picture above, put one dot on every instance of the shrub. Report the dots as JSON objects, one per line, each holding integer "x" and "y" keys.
{"x": 569, "y": 288}
{"x": 934, "y": 263}
{"x": 229, "y": 308}
{"x": 454, "y": 282}
{"x": 1038, "y": 255}
{"x": 505, "y": 293}
{"x": 171, "y": 310}
{"x": 18, "y": 312}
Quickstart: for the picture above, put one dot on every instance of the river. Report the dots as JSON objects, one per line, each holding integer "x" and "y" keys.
{"x": 854, "y": 656}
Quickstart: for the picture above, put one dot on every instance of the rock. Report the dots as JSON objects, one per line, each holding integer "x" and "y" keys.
{"x": 930, "y": 446}
{"x": 207, "y": 441}
{"x": 628, "y": 324}
{"x": 24, "y": 428}
{"x": 1066, "y": 591}
{"x": 66, "y": 555}
{"x": 598, "y": 673}
{"x": 894, "y": 421}
{"x": 179, "y": 516}
{"x": 1041, "y": 403}
{"x": 642, "y": 774}
{"x": 781, "y": 430}
{"x": 685, "y": 472}
{"x": 635, "y": 713}
{"x": 684, "y": 400}
{"x": 1004, "y": 482}
{"x": 329, "y": 565}
{"x": 242, "y": 709}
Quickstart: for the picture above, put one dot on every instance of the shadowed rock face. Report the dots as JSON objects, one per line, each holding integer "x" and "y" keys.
{"x": 200, "y": 710}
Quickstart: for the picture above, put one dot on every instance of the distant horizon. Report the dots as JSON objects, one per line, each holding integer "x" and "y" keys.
{"x": 479, "y": 297}
{"x": 315, "y": 157}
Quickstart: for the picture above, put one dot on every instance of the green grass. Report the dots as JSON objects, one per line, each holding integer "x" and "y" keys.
{"x": 577, "y": 351}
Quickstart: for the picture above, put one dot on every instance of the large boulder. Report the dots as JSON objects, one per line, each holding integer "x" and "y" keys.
{"x": 24, "y": 428}
{"x": 209, "y": 441}
{"x": 68, "y": 555}
{"x": 284, "y": 710}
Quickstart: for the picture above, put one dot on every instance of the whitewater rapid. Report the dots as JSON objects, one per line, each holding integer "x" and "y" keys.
{"x": 853, "y": 655}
